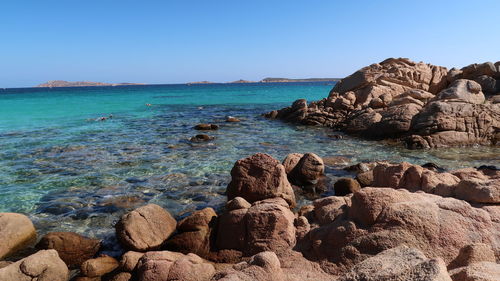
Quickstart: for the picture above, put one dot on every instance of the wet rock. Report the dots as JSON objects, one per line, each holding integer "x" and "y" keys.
{"x": 308, "y": 170}
{"x": 194, "y": 233}
{"x": 201, "y": 138}
{"x": 336, "y": 161}
{"x": 344, "y": 186}
{"x": 145, "y": 228}
{"x": 481, "y": 271}
{"x": 16, "y": 233}
{"x": 401, "y": 263}
{"x": 72, "y": 248}
{"x": 264, "y": 266}
{"x": 206, "y": 127}
{"x": 258, "y": 177}
{"x": 232, "y": 119}
{"x": 45, "y": 265}
{"x": 99, "y": 266}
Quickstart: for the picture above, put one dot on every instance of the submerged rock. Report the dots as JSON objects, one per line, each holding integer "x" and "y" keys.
{"x": 206, "y": 127}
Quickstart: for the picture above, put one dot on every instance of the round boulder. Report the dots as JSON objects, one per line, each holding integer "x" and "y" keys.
{"x": 346, "y": 186}
{"x": 308, "y": 170}
{"x": 259, "y": 177}
{"x": 145, "y": 228}
{"x": 16, "y": 232}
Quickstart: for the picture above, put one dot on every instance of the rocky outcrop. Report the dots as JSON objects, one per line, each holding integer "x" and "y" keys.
{"x": 16, "y": 232}
{"x": 45, "y": 265}
{"x": 420, "y": 104}
{"x": 145, "y": 228}
{"x": 72, "y": 248}
{"x": 259, "y": 177}
{"x": 377, "y": 219}
{"x": 400, "y": 263}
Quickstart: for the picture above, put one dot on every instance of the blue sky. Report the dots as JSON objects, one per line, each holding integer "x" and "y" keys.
{"x": 181, "y": 41}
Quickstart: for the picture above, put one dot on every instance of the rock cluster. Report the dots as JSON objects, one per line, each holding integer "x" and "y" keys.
{"x": 403, "y": 222}
{"x": 421, "y": 104}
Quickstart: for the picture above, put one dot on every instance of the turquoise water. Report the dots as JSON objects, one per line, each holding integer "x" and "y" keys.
{"x": 70, "y": 172}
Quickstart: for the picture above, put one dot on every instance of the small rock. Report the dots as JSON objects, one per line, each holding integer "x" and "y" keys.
{"x": 206, "y": 127}
{"x": 129, "y": 260}
{"x": 232, "y": 119}
{"x": 99, "y": 266}
{"x": 201, "y": 138}
{"x": 308, "y": 170}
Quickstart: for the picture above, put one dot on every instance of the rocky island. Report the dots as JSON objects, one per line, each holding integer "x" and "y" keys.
{"x": 61, "y": 83}
{"x": 288, "y": 80}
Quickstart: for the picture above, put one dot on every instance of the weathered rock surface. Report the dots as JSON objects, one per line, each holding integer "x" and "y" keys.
{"x": 377, "y": 219}
{"x": 45, "y": 265}
{"x": 145, "y": 228}
{"x": 400, "y": 263}
{"x": 72, "y": 248}
{"x": 344, "y": 186}
{"x": 421, "y": 104}
{"x": 259, "y": 177}
{"x": 264, "y": 266}
{"x": 16, "y": 232}
{"x": 481, "y": 271}
{"x": 268, "y": 225}
{"x": 129, "y": 260}
{"x": 307, "y": 170}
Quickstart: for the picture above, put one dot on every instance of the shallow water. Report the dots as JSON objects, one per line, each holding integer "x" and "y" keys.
{"x": 69, "y": 172}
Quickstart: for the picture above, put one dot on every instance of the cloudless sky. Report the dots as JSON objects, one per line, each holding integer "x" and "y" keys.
{"x": 181, "y": 41}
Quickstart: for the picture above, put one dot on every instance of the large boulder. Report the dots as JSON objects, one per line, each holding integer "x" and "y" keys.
{"x": 145, "y": 228}
{"x": 16, "y": 232}
{"x": 377, "y": 219}
{"x": 267, "y": 225}
{"x": 72, "y": 248}
{"x": 194, "y": 233}
{"x": 45, "y": 265}
{"x": 259, "y": 177}
{"x": 400, "y": 263}
{"x": 464, "y": 91}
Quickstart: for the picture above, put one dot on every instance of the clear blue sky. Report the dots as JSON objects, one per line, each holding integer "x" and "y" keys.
{"x": 181, "y": 41}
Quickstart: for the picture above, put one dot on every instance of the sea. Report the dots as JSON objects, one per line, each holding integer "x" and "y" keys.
{"x": 69, "y": 170}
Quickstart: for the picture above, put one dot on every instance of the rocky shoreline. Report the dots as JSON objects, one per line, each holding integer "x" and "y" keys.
{"x": 418, "y": 104}
{"x": 394, "y": 221}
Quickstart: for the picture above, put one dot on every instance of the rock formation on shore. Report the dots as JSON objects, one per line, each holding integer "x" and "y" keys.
{"x": 422, "y": 105}
{"x": 408, "y": 222}
{"x": 61, "y": 83}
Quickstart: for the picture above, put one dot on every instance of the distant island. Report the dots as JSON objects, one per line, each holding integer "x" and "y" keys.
{"x": 61, "y": 83}
{"x": 241, "y": 81}
{"x": 201, "y": 82}
{"x": 285, "y": 80}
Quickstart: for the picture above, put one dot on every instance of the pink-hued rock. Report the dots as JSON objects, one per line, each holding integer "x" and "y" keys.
{"x": 400, "y": 263}
{"x": 291, "y": 161}
{"x": 264, "y": 266}
{"x": 44, "y": 265}
{"x": 382, "y": 218}
{"x": 129, "y": 260}
{"x": 122, "y": 276}
{"x": 145, "y": 228}
{"x": 308, "y": 170}
{"x": 172, "y": 266}
{"x": 473, "y": 253}
{"x": 268, "y": 225}
{"x": 16, "y": 232}
{"x": 259, "y": 177}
